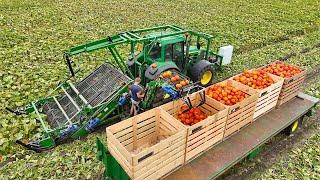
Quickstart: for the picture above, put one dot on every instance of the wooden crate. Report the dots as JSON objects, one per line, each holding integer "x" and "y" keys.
{"x": 204, "y": 134}
{"x": 240, "y": 114}
{"x": 267, "y": 97}
{"x": 148, "y": 145}
{"x": 291, "y": 87}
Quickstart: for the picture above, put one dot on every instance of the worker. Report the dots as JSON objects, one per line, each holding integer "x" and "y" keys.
{"x": 137, "y": 93}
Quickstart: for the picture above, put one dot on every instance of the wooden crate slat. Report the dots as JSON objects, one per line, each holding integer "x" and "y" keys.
{"x": 163, "y": 160}
{"x": 140, "y": 141}
{"x": 219, "y": 133}
{"x": 262, "y": 100}
{"x": 150, "y": 129}
{"x": 156, "y": 148}
{"x": 274, "y": 94}
{"x": 195, "y": 145}
{"x": 249, "y": 109}
{"x": 118, "y": 145}
{"x": 286, "y": 99}
{"x": 294, "y": 91}
{"x": 231, "y": 130}
{"x": 193, "y": 137}
{"x": 163, "y": 128}
{"x": 170, "y": 119}
{"x": 298, "y": 77}
{"x": 293, "y": 83}
{"x": 124, "y": 133}
{"x": 167, "y": 166}
{"x": 290, "y": 91}
{"x": 215, "y": 139}
{"x": 147, "y": 165}
{"x": 292, "y": 86}
{"x": 139, "y": 130}
{"x": 143, "y": 164}
{"x": 240, "y": 111}
{"x": 167, "y": 125}
{"x": 145, "y": 122}
{"x": 218, "y": 125}
{"x": 217, "y": 128}
{"x": 266, "y": 107}
{"x": 218, "y": 122}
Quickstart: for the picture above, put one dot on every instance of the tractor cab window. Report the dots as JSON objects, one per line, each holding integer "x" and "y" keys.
{"x": 155, "y": 52}
{"x": 174, "y": 52}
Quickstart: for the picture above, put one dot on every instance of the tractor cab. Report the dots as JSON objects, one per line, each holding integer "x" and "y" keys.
{"x": 167, "y": 49}
{"x": 158, "y": 55}
{"x": 174, "y": 53}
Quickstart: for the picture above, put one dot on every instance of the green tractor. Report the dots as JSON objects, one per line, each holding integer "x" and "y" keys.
{"x": 75, "y": 109}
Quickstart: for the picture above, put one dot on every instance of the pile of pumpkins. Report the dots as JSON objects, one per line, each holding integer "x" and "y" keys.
{"x": 175, "y": 79}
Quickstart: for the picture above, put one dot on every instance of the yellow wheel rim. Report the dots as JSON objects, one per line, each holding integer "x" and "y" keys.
{"x": 206, "y": 77}
{"x": 294, "y": 126}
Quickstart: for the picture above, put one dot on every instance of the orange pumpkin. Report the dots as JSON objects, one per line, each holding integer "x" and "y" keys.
{"x": 178, "y": 86}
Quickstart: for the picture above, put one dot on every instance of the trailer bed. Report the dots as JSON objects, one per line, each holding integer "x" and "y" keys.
{"x": 223, "y": 156}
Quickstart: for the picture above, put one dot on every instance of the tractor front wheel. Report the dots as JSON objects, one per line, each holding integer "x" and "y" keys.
{"x": 202, "y": 72}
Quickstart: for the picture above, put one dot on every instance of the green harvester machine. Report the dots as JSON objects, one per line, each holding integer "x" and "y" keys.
{"x": 75, "y": 109}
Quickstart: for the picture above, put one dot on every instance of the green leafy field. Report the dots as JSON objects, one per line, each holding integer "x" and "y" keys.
{"x": 34, "y": 35}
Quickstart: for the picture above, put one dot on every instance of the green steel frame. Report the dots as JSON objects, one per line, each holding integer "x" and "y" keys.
{"x": 147, "y": 37}
{"x": 110, "y": 110}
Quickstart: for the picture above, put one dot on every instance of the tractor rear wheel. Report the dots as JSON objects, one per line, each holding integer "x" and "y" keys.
{"x": 202, "y": 72}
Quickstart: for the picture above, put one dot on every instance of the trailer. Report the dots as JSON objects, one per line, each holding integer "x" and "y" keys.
{"x": 221, "y": 157}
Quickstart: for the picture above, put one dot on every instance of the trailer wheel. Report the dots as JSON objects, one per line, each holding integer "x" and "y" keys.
{"x": 202, "y": 72}
{"x": 294, "y": 126}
